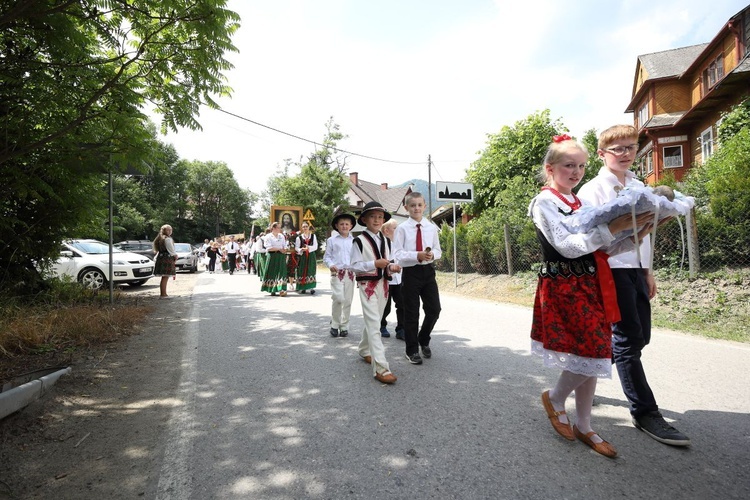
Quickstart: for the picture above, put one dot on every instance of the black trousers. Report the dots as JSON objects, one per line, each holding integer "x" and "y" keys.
{"x": 232, "y": 258}
{"x": 630, "y": 336}
{"x": 418, "y": 283}
{"x": 394, "y": 295}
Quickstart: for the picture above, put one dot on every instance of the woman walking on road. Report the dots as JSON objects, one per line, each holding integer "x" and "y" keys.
{"x": 275, "y": 273}
{"x": 306, "y": 244}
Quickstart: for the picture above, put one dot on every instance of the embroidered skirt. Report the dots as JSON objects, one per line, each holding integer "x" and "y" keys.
{"x": 307, "y": 267}
{"x": 569, "y": 327}
{"x": 275, "y": 275}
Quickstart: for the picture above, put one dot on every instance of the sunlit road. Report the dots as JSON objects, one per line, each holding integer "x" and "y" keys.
{"x": 275, "y": 408}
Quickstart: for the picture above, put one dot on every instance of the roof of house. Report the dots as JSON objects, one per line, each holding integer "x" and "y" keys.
{"x": 664, "y": 120}
{"x": 669, "y": 63}
{"x": 390, "y": 198}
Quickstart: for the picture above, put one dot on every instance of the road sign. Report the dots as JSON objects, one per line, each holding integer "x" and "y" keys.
{"x": 454, "y": 191}
{"x": 308, "y": 215}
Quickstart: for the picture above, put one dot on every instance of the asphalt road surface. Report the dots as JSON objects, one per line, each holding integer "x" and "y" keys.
{"x": 271, "y": 407}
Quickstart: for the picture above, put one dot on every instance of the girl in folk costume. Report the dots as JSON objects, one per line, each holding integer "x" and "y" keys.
{"x": 305, "y": 245}
{"x": 370, "y": 260}
{"x": 292, "y": 260}
{"x": 575, "y": 302}
{"x": 275, "y": 273}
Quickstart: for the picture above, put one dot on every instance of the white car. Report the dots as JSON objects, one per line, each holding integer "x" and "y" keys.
{"x": 187, "y": 257}
{"x": 87, "y": 261}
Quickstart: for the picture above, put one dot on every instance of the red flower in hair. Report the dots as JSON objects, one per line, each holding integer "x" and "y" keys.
{"x": 560, "y": 138}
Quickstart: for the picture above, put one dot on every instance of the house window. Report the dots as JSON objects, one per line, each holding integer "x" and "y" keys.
{"x": 643, "y": 114}
{"x": 713, "y": 73}
{"x": 672, "y": 156}
{"x": 645, "y": 164}
{"x": 707, "y": 143}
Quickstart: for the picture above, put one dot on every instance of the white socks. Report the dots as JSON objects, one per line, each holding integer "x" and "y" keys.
{"x": 584, "y": 387}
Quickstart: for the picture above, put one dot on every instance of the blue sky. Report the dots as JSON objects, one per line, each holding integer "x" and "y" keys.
{"x": 410, "y": 78}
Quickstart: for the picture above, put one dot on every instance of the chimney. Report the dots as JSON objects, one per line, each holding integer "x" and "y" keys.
{"x": 384, "y": 186}
{"x": 354, "y": 177}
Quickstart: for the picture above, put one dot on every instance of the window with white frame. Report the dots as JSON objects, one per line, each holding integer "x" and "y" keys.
{"x": 707, "y": 143}
{"x": 645, "y": 164}
{"x": 672, "y": 156}
{"x": 643, "y": 114}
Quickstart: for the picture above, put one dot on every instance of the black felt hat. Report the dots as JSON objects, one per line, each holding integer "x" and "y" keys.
{"x": 343, "y": 216}
{"x": 373, "y": 205}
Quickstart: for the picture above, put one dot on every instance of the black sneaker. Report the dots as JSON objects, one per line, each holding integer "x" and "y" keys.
{"x": 400, "y": 334}
{"x": 335, "y": 332}
{"x": 414, "y": 359}
{"x": 426, "y": 351}
{"x": 655, "y": 426}
{"x": 343, "y": 333}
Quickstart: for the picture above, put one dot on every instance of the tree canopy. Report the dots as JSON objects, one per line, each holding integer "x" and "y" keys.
{"x": 76, "y": 77}
{"x": 320, "y": 185}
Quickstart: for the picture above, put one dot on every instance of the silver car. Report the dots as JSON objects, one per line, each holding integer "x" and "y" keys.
{"x": 187, "y": 257}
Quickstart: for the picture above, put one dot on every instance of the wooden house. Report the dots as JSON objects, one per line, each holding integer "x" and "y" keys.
{"x": 361, "y": 192}
{"x": 679, "y": 97}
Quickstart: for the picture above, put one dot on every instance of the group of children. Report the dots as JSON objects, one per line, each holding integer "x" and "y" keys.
{"x": 592, "y": 304}
{"x": 374, "y": 260}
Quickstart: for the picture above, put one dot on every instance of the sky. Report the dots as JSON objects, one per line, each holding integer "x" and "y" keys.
{"x": 405, "y": 79}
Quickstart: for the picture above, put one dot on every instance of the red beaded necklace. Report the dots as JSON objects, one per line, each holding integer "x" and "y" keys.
{"x": 573, "y": 206}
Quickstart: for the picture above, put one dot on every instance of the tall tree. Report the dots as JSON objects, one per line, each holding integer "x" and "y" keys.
{"x": 75, "y": 78}
{"x": 514, "y": 151}
{"x": 591, "y": 141}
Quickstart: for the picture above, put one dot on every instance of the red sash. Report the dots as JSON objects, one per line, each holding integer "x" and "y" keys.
{"x": 607, "y": 286}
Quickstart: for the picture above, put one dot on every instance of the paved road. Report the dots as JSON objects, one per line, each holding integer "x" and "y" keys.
{"x": 274, "y": 408}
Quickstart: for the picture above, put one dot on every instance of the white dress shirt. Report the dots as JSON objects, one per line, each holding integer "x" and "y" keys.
{"x": 405, "y": 242}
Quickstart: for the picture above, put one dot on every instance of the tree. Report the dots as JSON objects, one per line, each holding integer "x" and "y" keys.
{"x": 591, "y": 141}
{"x": 76, "y": 76}
{"x": 320, "y": 185}
{"x": 514, "y": 151}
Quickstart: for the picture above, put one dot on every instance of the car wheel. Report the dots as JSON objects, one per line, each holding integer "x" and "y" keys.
{"x": 137, "y": 283}
{"x": 92, "y": 278}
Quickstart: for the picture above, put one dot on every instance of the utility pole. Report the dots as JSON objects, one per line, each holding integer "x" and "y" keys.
{"x": 429, "y": 187}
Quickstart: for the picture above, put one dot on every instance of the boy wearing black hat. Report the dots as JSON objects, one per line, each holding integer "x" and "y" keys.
{"x": 337, "y": 258}
{"x": 371, "y": 254}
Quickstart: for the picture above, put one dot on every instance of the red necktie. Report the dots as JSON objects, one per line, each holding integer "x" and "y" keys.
{"x": 419, "y": 237}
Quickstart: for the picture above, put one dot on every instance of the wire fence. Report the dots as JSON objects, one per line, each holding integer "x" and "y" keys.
{"x": 680, "y": 246}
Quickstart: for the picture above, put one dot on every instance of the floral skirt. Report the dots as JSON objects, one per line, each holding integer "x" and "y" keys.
{"x": 307, "y": 267}
{"x": 165, "y": 265}
{"x": 275, "y": 275}
{"x": 569, "y": 327}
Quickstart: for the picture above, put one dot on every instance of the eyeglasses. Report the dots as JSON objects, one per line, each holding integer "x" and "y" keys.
{"x": 621, "y": 150}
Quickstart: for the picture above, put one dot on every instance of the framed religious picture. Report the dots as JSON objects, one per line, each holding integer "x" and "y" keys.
{"x": 289, "y": 218}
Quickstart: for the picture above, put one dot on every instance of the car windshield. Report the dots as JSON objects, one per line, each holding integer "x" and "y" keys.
{"x": 183, "y": 248}
{"x": 93, "y": 247}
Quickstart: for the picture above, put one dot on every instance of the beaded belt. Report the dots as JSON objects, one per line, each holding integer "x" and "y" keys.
{"x": 578, "y": 267}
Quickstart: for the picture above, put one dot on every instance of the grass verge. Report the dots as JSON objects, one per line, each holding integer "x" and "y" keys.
{"x": 715, "y": 305}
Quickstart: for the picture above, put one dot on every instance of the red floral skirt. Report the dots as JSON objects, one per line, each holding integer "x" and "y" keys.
{"x": 569, "y": 316}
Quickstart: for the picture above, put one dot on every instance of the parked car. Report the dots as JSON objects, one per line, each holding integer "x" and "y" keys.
{"x": 187, "y": 257}
{"x": 143, "y": 247}
{"x": 87, "y": 261}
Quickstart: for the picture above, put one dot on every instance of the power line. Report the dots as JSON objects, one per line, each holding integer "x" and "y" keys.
{"x": 317, "y": 143}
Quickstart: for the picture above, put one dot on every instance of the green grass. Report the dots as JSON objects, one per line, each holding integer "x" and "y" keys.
{"x": 715, "y": 305}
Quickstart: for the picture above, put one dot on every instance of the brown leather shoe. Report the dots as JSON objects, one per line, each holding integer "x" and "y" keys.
{"x": 563, "y": 429}
{"x": 603, "y": 448}
{"x": 367, "y": 359}
{"x": 386, "y": 377}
